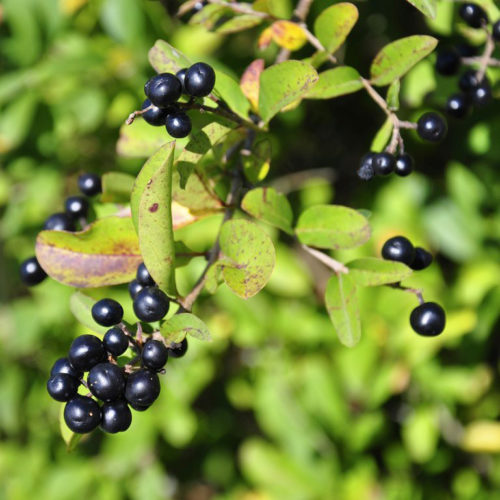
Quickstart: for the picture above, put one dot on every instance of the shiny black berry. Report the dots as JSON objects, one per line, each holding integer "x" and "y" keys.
{"x": 468, "y": 81}
{"x": 431, "y": 127}
{"x": 154, "y": 355}
{"x": 448, "y": 62}
{"x": 89, "y": 184}
{"x": 473, "y": 14}
{"x": 115, "y": 341}
{"x": 458, "y": 105}
{"x": 142, "y": 388}
{"x": 154, "y": 116}
{"x": 60, "y": 222}
{"x": 82, "y": 414}
{"x": 151, "y": 304}
{"x": 178, "y": 124}
{"x": 495, "y": 32}
{"x": 199, "y": 80}
{"x": 421, "y": 260}
{"x": 116, "y": 417}
{"x": 177, "y": 350}
{"x": 481, "y": 95}
{"x": 107, "y": 312}
{"x": 399, "y": 249}
{"x": 134, "y": 287}
{"x": 31, "y": 272}
{"x": 181, "y": 75}
{"x": 404, "y": 165}
{"x": 384, "y": 163}
{"x": 366, "y": 171}
{"x": 143, "y": 277}
{"x": 163, "y": 89}
{"x": 63, "y": 365}
{"x": 138, "y": 407}
{"x": 62, "y": 387}
{"x": 428, "y": 319}
{"x": 76, "y": 206}
{"x": 85, "y": 352}
{"x": 106, "y": 381}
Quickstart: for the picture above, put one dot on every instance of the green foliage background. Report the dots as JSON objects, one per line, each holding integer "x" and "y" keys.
{"x": 274, "y": 407}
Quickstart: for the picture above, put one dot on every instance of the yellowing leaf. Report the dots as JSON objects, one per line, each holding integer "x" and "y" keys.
{"x": 482, "y": 437}
{"x": 288, "y": 35}
{"x": 250, "y": 82}
{"x": 265, "y": 39}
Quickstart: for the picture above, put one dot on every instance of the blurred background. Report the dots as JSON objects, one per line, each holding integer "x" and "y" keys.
{"x": 274, "y": 407}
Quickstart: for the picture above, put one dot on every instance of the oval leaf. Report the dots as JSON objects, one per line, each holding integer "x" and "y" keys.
{"x": 342, "y": 306}
{"x": 382, "y": 137}
{"x": 371, "y": 271}
{"x": 427, "y": 7}
{"x": 332, "y": 226}
{"x": 288, "y": 35}
{"x": 248, "y": 257}
{"x": 398, "y": 57}
{"x": 230, "y": 92}
{"x": 81, "y": 307}
{"x": 250, "y": 82}
{"x": 335, "y": 82}
{"x": 107, "y": 253}
{"x": 334, "y": 24}
{"x": 239, "y": 23}
{"x": 178, "y": 326}
{"x": 166, "y": 59}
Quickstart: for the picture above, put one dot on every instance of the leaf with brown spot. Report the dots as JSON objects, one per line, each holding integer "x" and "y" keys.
{"x": 288, "y": 35}
{"x": 167, "y": 59}
{"x": 250, "y": 82}
{"x": 334, "y": 24}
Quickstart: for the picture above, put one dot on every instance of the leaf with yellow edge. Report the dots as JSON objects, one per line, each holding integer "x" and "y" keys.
{"x": 482, "y": 436}
{"x": 265, "y": 38}
{"x": 288, "y": 35}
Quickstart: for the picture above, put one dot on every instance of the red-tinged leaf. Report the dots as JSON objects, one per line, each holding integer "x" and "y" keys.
{"x": 250, "y": 82}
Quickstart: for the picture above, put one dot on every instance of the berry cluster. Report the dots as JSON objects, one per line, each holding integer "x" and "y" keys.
{"x": 75, "y": 212}
{"x": 428, "y": 319}
{"x": 475, "y": 88}
{"x": 164, "y": 90}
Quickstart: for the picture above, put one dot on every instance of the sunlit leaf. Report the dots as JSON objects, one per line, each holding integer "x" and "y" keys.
{"x": 370, "y": 271}
{"x": 176, "y": 328}
{"x": 336, "y": 82}
{"x": 334, "y": 24}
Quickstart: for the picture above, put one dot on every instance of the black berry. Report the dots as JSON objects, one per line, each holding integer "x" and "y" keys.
{"x": 85, "y": 352}
{"x": 495, "y": 32}
{"x": 181, "y": 75}
{"x": 143, "y": 277}
{"x": 466, "y": 50}
{"x": 106, "y": 381}
{"x": 458, "y": 105}
{"x": 60, "y": 222}
{"x": 107, "y": 312}
{"x": 31, "y": 272}
{"x": 116, "y": 417}
{"x": 142, "y": 388}
{"x": 421, "y": 260}
{"x": 384, "y": 163}
{"x": 76, "y": 206}
{"x": 154, "y": 116}
{"x": 365, "y": 170}
{"x": 481, "y": 95}
{"x": 63, "y": 365}
{"x": 199, "y": 80}
{"x": 151, "y": 304}
{"x": 154, "y": 355}
{"x": 89, "y": 184}
{"x": 404, "y": 165}
{"x": 134, "y": 287}
{"x": 428, "y": 319}
{"x": 178, "y": 124}
{"x": 138, "y": 407}
{"x": 431, "y": 127}
{"x": 82, "y": 414}
{"x": 62, "y": 387}
{"x": 177, "y": 350}
{"x": 448, "y": 62}
{"x": 473, "y": 14}
{"x": 163, "y": 89}
{"x": 399, "y": 249}
{"x": 468, "y": 81}
{"x": 115, "y": 341}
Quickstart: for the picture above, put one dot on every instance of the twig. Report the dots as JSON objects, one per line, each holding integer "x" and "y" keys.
{"x": 336, "y": 266}
{"x": 134, "y": 114}
{"x": 242, "y": 8}
{"x": 472, "y": 61}
{"x": 485, "y": 58}
{"x": 414, "y": 291}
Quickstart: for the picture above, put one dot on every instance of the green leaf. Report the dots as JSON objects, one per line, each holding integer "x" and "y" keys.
{"x": 248, "y": 257}
{"x": 116, "y": 187}
{"x": 334, "y": 24}
{"x": 332, "y": 226}
{"x": 269, "y": 206}
{"x": 397, "y": 58}
{"x": 239, "y": 23}
{"x": 342, "y": 306}
{"x": 336, "y": 82}
{"x": 196, "y": 196}
{"x": 70, "y": 438}
{"x": 81, "y": 307}
{"x": 230, "y": 92}
{"x": 370, "y": 271}
{"x": 156, "y": 232}
{"x": 393, "y": 95}
{"x": 140, "y": 140}
{"x": 179, "y": 325}
{"x": 166, "y": 59}
{"x": 283, "y": 83}
{"x": 106, "y": 253}
{"x": 427, "y": 7}
{"x": 256, "y": 165}
{"x": 382, "y": 137}
{"x": 209, "y": 16}
{"x": 277, "y": 8}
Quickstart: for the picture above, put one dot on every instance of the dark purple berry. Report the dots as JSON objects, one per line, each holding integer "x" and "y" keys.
{"x": 178, "y": 349}
{"x": 115, "y": 341}
{"x": 154, "y": 355}
{"x": 404, "y": 165}
{"x": 63, "y": 365}
{"x": 448, "y": 62}
{"x": 150, "y": 304}
{"x": 473, "y": 14}
{"x": 138, "y": 407}
{"x": 116, "y": 417}
{"x": 458, "y": 105}
{"x": 199, "y": 80}
{"x": 163, "y": 89}
{"x": 154, "y": 116}
{"x": 62, "y": 387}
{"x": 142, "y": 388}
{"x": 106, "y": 381}
{"x": 468, "y": 81}
{"x": 89, "y": 184}
{"x": 421, "y": 260}
{"x": 76, "y": 206}
{"x": 181, "y": 75}
{"x": 107, "y": 312}
{"x": 178, "y": 125}
{"x": 384, "y": 163}
{"x": 399, "y": 249}
{"x": 31, "y": 272}
{"x": 143, "y": 277}
{"x": 431, "y": 127}
{"x": 134, "y": 287}
{"x": 481, "y": 95}
{"x": 85, "y": 352}
{"x": 60, "y": 222}
{"x": 82, "y": 414}
{"x": 365, "y": 170}
{"x": 428, "y": 319}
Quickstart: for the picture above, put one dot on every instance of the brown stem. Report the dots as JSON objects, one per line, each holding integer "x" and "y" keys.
{"x": 472, "y": 61}
{"x": 415, "y": 291}
{"x": 131, "y": 116}
{"x": 336, "y": 266}
{"x": 485, "y": 58}
{"x": 242, "y": 8}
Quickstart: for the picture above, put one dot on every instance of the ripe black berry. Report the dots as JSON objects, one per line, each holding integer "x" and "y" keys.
{"x": 431, "y": 127}
{"x": 89, "y": 184}
{"x": 151, "y": 304}
{"x": 163, "y": 89}
{"x": 62, "y": 387}
{"x": 116, "y": 417}
{"x": 383, "y": 164}
{"x": 178, "y": 350}
{"x": 473, "y": 14}
{"x": 143, "y": 277}
{"x": 142, "y": 388}
{"x": 60, "y": 222}
{"x": 199, "y": 80}
{"x": 76, "y": 206}
{"x": 107, "y": 312}
{"x": 63, "y": 365}
{"x": 448, "y": 62}
{"x": 495, "y": 32}
{"x": 365, "y": 170}
{"x": 399, "y": 249}
{"x": 467, "y": 50}
{"x": 481, "y": 95}
{"x": 458, "y": 105}
{"x": 181, "y": 75}
{"x": 106, "y": 381}
{"x": 421, "y": 260}
{"x": 31, "y": 272}
{"x": 154, "y": 355}
{"x": 404, "y": 165}
{"x": 178, "y": 124}
{"x": 468, "y": 81}
{"x": 115, "y": 341}
{"x": 82, "y": 414}
{"x": 134, "y": 287}
{"x": 428, "y": 319}
{"x": 155, "y": 116}
{"x": 85, "y": 352}
{"x": 138, "y": 407}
